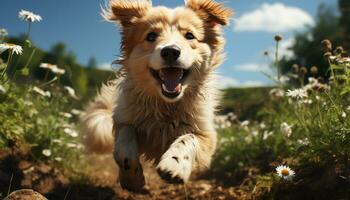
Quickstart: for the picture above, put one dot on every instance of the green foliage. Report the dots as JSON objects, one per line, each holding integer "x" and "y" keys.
{"x": 307, "y": 44}
{"x": 307, "y": 128}
{"x": 244, "y": 102}
{"x": 38, "y": 121}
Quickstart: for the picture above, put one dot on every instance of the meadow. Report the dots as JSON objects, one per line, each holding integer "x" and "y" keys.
{"x": 287, "y": 141}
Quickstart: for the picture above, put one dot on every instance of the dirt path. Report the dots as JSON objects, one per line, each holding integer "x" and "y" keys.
{"x": 102, "y": 184}
{"x": 157, "y": 188}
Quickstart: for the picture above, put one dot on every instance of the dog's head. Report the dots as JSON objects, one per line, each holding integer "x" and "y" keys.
{"x": 165, "y": 51}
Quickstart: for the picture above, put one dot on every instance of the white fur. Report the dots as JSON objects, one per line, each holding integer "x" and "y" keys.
{"x": 178, "y": 160}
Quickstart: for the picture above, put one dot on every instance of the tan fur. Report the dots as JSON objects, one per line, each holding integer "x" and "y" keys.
{"x": 135, "y": 101}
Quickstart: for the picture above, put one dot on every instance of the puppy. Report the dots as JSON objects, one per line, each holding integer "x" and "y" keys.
{"x": 163, "y": 106}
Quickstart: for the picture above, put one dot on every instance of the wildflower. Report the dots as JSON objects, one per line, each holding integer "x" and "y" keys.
{"x": 255, "y": 133}
{"x": 262, "y": 125}
{"x": 295, "y": 68}
{"x": 54, "y": 69}
{"x": 245, "y": 123}
{"x": 71, "y": 92}
{"x": 58, "y": 159}
{"x": 3, "y": 32}
{"x": 71, "y": 145}
{"x": 343, "y": 115}
{"x": 326, "y": 45}
{"x": 75, "y": 112}
{"x": 41, "y": 92}
{"x": 29, "y": 16}
{"x": 285, "y": 172}
{"x": 313, "y": 70}
{"x": 71, "y": 132}
{"x": 12, "y": 47}
{"x": 304, "y": 142}
{"x": 267, "y": 135}
{"x": 303, "y": 71}
{"x": 67, "y": 115}
{"x": 284, "y": 79}
{"x": 58, "y": 141}
{"x": 2, "y": 89}
{"x": 297, "y": 93}
{"x": 278, "y": 38}
{"x": 46, "y": 152}
{"x": 58, "y": 71}
{"x": 286, "y": 129}
{"x": 276, "y": 93}
{"x": 47, "y": 65}
{"x": 339, "y": 50}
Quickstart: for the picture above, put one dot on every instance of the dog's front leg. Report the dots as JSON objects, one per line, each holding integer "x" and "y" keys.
{"x": 177, "y": 162}
{"x": 126, "y": 155}
{"x": 184, "y": 153}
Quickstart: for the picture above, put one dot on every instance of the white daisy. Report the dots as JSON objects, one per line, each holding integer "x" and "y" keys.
{"x": 29, "y": 16}
{"x": 57, "y": 70}
{"x": 343, "y": 115}
{"x": 285, "y": 172}
{"x": 47, "y": 65}
{"x": 267, "y": 134}
{"x": 2, "y": 89}
{"x": 67, "y": 115}
{"x": 53, "y": 68}
{"x": 58, "y": 159}
{"x": 75, "y": 111}
{"x": 46, "y": 152}
{"x": 12, "y": 47}
{"x": 41, "y": 92}
{"x": 3, "y": 32}
{"x": 71, "y": 132}
{"x": 297, "y": 93}
{"x": 71, "y": 145}
{"x": 286, "y": 129}
{"x": 71, "y": 92}
{"x": 245, "y": 123}
{"x": 276, "y": 93}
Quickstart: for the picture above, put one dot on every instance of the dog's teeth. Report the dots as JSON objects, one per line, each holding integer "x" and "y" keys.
{"x": 166, "y": 90}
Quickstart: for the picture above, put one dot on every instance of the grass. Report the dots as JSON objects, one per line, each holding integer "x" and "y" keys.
{"x": 307, "y": 128}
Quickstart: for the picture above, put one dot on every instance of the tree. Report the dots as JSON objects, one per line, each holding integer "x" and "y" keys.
{"x": 307, "y": 47}
{"x": 92, "y": 63}
{"x": 344, "y": 7}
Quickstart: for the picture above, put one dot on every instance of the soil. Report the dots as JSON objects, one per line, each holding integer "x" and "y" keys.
{"x": 102, "y": 184}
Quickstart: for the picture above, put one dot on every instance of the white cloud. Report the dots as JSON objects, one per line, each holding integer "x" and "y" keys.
{"x": 283, "y": 49}
{"x": 274, "y": 18}
{"x": 252, "y": 67}
{"x": 105, "y": 66}
{"x": 227, "y": 82}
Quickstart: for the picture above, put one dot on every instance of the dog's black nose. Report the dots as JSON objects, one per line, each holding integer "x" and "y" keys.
{"x": 170, "y": 54}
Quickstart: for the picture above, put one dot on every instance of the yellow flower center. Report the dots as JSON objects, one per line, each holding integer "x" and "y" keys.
{"x": 285, "y": 172}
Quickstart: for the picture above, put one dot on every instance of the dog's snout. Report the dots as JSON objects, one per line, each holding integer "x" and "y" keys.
{"x": 171, "y": 53}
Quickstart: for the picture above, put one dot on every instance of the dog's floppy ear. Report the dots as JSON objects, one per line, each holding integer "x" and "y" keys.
{"x": 125, "y": 11}
{"x": 213, "y": 12}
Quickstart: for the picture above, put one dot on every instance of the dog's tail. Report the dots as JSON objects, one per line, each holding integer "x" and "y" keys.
{"x": 97, "y": 121}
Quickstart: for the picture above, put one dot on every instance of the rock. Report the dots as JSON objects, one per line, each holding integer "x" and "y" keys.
{"x": 25, "y": 194}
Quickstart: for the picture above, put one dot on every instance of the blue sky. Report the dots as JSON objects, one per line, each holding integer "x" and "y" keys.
{"x": 79, "y": 24}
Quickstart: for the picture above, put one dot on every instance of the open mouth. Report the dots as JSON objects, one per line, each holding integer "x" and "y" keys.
{"x": 171, "y": 80}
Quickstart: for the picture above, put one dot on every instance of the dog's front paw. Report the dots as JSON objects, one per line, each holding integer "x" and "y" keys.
{"x": 176, "y": 163}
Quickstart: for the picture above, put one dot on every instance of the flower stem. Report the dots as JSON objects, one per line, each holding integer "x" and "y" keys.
{"x": 7, "y": 64}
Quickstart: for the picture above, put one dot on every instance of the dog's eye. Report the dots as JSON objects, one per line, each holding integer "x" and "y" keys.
{"x": 151, "y": 37}
{"x": 189, "y": 36}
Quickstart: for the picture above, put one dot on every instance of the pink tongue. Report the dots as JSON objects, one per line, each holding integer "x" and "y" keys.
{"x": 171, "y": 78}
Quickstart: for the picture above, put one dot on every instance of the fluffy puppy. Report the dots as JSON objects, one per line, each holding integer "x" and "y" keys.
{"x": 163, "y": 106}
